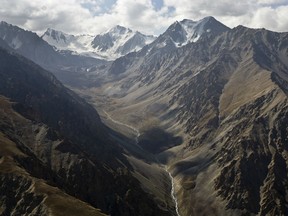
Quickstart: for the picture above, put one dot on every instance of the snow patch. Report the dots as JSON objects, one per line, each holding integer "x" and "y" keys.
{"x": 83, "y": 44}
{"x": 193, "y": 30}
{"x": 16, "y": 43}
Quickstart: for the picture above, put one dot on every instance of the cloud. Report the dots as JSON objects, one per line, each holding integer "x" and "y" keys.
{"x": 147, "y": 16}
{"x": 271, "y": 18}
{"x": 37, "y": 15}
{"x": 269, "y": 14}
{"x": 272, "y": 2}
{"x": 141, "y": 15}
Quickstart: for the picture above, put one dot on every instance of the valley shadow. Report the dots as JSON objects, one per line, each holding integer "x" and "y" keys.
{"x": 156, "y": 140}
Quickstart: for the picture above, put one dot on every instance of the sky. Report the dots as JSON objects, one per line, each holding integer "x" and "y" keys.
{"x": 147, "y": 16}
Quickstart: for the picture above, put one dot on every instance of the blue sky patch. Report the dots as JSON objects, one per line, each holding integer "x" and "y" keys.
{"x": 158, "y": 4}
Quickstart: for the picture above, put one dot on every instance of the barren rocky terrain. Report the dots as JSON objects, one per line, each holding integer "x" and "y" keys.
{"x": 185, "y": 126}
{"x": 215, "y": 112}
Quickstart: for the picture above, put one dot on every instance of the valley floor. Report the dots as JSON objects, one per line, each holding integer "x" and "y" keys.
{"x": 154, "y": 164}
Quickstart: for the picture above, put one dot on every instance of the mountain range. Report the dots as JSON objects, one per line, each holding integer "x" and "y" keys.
{"x": 193, "y": 122}
{"x": 109, "y": 45}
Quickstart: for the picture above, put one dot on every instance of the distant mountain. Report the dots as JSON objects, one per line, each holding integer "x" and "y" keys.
{"x": 120, "y": 41}
{"x": 80, "y": 44}
{"x": 33, "y": 47}
{"x": 56, "y": 156}
{"x": 112, "y": 44}
{"x": 29, "y": 45}
{"x": 187, "y": 31}
{"x": 177, "y": 35}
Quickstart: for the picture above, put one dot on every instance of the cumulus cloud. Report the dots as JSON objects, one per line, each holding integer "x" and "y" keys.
{"x": 271, "y": 18}
{"x": 37, "y": 15}
{"x": 95, "y": 16}
{"x": 141, "y": 15}
{"x": 268, "y": 14}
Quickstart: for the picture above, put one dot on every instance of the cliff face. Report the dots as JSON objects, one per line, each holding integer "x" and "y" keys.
{"x": 54, "y": 144}
{"x": 235, "y": 117}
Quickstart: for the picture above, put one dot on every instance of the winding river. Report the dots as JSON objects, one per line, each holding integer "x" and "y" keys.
{"x": 173, "y": 192}
{"x": 136, "y": 131}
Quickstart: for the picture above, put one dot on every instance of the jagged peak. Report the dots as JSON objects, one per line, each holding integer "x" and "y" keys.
{"x": 119, "y": 30}
{"x": 208, "y": 18}
{"x": 119, "y": 27}
{"x": 144, "y": 35}
{"x": 56, "y": 34}
{"x": 175, "y": 23}
{"x": 204, "y": 20}
{"x": 16, "y": 28}
{"x": 188, "y": 21}
{"x": 54, "y": 31}
{"x": 187, "y": 31}
{"x": 4, "y": 23}
{"x": 192, "y": 23}
{"x": 240, "y": 27}
{"x": 175, "y": 26}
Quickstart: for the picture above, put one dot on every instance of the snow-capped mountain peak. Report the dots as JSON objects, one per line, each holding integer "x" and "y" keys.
{"x": 110, "y": 45}
{"x": 187, "y": 31}
{"x": 119, "y": 30}
{"x": 58, "y": 39}
{"x": 119, "y": 41}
